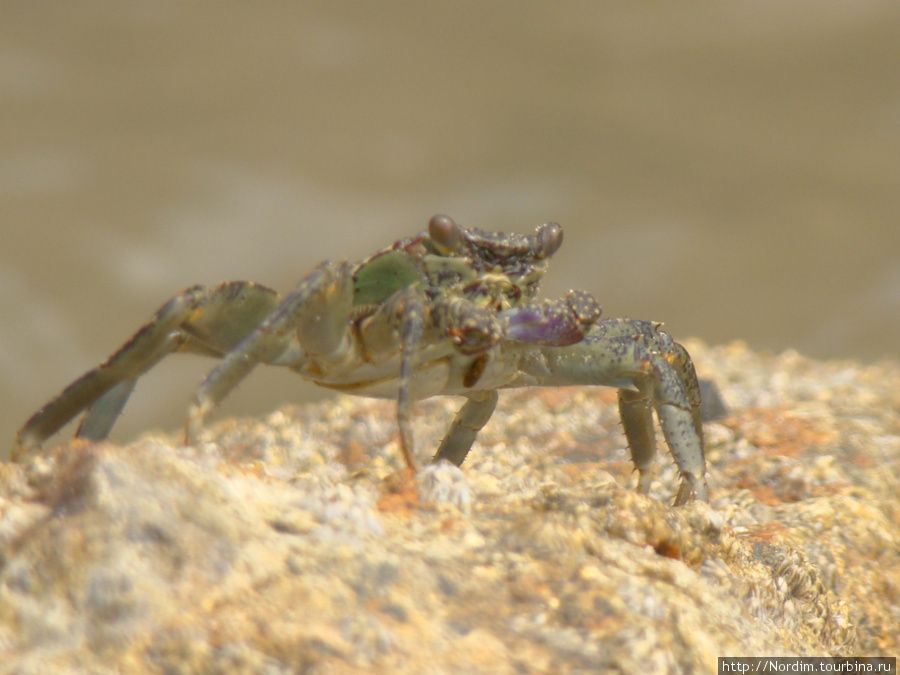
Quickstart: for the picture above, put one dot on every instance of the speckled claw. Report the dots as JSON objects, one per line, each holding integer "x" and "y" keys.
{"x": 554, "y": 323}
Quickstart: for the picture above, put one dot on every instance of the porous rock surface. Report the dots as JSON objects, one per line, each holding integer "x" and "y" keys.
{"x": 296, "y": 544}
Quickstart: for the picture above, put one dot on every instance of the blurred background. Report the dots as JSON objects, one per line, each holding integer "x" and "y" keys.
{"x": 731, "y": 169}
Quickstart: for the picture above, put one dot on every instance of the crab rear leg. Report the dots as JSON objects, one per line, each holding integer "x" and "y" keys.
{"x": 199, "y": 320}
{"x": 311, "y": 323}
{"x": 651, "y": 371}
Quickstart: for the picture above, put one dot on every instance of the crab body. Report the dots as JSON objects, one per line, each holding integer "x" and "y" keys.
{"x": 450, "y": 311}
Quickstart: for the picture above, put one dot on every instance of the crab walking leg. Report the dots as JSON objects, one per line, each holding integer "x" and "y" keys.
{"x": 636, "y": 413}
{"x": 636, "y": 357}
{"x": 470, "y": 419}
{"x": 400, "y": 319}
{"x": 636, "y": 418}
{"x": 199, "y": 320}
{"x": 102, "y": 415}
{"x": 677, "y": 418}
{"x": 315, "y": 315}
{"x": 635, "y": 410}
{"x": 205, "y": 330}
{"x": 681, "y": 362}
{"x": 411, "y": 306}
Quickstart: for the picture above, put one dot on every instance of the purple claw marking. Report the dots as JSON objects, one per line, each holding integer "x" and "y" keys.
{"x": 554, "y": 323}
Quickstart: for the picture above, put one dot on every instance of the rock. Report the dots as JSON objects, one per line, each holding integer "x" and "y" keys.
{"x": 290, "y": 544}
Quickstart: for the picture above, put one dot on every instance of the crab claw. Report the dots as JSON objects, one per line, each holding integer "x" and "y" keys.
{"x": 552, "y": 323}
{"x": 472, "y": 329}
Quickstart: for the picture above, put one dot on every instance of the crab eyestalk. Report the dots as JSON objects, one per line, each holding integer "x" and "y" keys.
{"x": 445, "y": 233}
{"x": 550, "y": 238}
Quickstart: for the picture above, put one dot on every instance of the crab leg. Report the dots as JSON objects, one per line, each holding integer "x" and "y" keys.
{"x": 199, "y": 320}
{"x": 650, "y": 370}
{"x": 470, "y": 419}
{"x": 315, "y": 315}
{"x": 681, "y": 362}
{"x": 411, "y": 306}
{"x": 636, "y": 413}
{"x": 102, "y": 415}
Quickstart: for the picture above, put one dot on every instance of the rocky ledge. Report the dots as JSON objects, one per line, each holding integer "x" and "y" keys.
{"x": 295, "y": 544}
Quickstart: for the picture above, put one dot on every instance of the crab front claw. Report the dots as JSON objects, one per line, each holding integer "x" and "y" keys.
{"x": 651, "y": 371}
{"x": 555, "y": 323}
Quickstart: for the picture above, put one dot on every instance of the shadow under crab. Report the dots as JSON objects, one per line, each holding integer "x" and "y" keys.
{"x": 450, "y": 311}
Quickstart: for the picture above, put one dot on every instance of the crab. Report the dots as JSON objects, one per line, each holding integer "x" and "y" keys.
{"x": 450, "y": 311}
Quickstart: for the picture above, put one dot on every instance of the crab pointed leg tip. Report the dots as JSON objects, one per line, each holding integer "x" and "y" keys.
{"x": 193, "y": 427}
{"x": 23, "y": 446}
{"x": 701, "y": 491}
{"x": 692, "y": 490}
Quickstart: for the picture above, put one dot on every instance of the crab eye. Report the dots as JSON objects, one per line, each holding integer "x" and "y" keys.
{"x": 444, "y": 233}
{"x": 550, "y": 238}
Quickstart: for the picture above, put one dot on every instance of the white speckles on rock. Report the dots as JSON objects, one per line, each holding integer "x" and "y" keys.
{"x": 444, "y": 483}
{"x": 341, "y": 509}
